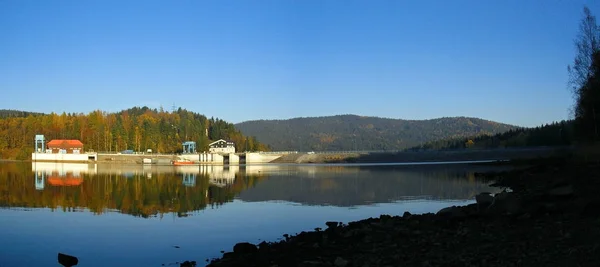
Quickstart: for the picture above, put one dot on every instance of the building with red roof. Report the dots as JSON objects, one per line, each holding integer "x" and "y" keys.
{"x": 62, "y": 146}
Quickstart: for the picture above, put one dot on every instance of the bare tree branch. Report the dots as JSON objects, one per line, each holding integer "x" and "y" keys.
{"x": 587, "y": 43}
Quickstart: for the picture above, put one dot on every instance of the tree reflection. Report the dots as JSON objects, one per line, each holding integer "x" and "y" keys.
{"x": 130, "y": 191}
{"x": 147, "y": 191}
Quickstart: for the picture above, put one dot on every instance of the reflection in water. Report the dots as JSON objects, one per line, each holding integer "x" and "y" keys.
{"x": 136, "y": 190}
{"x": 143, "y": 190}
{"x": 352, "y": 186}
{"x": 243, "y": 195}
{"x": 60, "y": 174}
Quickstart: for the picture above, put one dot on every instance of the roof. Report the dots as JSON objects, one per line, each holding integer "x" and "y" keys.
{"x": 228, "y": 141}
{"x": 58, "y": 181}
{"x": 65, "y": 143}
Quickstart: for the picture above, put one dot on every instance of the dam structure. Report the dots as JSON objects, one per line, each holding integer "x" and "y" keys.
{"x": 205, "y": 158}
{"x": 60, "y": 150}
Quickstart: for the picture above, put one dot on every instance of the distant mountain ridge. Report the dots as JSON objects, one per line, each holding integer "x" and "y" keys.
{"x": 353, "y": 132}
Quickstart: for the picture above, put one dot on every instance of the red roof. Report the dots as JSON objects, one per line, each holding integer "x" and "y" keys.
{"x": 65, "y": 143}
{"x": 60, "y": 181}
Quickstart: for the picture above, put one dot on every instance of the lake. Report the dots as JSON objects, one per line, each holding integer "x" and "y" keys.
{"x": 134, "y": 215}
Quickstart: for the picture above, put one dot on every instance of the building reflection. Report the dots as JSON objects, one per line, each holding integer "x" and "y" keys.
{"x": 139, "y": 190}
{"x": 147, "y": 190}
{"x": 40, "y": 180}
{"x": 71, "y": 174}
{"x": 60, "y": 174}
{"x": 189, "y": 179}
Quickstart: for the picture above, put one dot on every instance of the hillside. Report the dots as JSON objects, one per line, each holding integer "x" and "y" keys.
{"x": 351, "y": 132}
{"x": 136, "y": 129}
{"x": 555, "y": 134}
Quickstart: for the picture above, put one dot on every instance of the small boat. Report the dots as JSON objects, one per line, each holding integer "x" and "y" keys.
{"x": 182, "y": 162}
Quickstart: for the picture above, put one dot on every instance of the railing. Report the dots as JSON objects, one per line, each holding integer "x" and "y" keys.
{"x": 355, "y": 152}
{"x": 278, "y": 152}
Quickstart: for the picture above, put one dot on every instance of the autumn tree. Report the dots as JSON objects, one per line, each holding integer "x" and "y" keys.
{"x": 136, "y": 128}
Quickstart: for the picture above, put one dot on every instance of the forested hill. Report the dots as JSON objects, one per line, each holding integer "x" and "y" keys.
{"x": 555, "y": 134}
{"x": 136, "y": 128}
{"x": 351, "y": 132}
{"x": 7, "y": 113}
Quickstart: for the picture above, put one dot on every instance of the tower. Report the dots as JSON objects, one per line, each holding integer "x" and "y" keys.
{"x": 40, "y": 143}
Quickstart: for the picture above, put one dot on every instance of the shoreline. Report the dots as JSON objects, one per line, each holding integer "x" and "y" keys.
{"x": 549, "y": 216}
{"x": 333, "y": 158}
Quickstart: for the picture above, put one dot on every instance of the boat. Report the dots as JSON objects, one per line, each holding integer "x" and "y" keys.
{"x": 182, "y": 162}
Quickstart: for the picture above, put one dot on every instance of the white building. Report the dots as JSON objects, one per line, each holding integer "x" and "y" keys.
{"x": 221, "y": 146}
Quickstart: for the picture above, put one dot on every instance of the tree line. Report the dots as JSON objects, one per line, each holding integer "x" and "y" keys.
{"x": 135, "y": 129}
{"x": 554, "y": 134}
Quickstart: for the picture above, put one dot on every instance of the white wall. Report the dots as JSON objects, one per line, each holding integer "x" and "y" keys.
{"x": 260, "y": 158}
{"x": 228, "y": 150}
{"x": 58, "y": 157}
{"x": 234, "y": 159}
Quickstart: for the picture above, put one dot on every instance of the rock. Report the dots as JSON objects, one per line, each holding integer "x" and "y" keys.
{"x": 340, "y": 262}
{"x": 244, "y": 248}
{"x": 228, "y": 255}
{"x": 506, "y": 202}
{"x": 406, "y": 215}
{"x": 591, "y": 209}
{"x": 331, "y": 224}
{"x": 188, "y": 264}
{"x": 561, "y": 191}
{"x": 263, "y": 246}
{"x": 525, "y": 216}
{"x": 484, "y": 200}
{"x": 452, "y": 212}
{"x": 67, "y": 260}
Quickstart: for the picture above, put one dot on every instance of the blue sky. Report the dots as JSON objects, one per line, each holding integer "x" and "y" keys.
{"x": 275, "y": 59}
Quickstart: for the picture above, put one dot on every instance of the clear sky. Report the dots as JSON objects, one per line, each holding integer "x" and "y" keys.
{"x": 275, "y": 59}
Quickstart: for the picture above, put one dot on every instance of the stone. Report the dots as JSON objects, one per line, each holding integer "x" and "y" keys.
{"x": 561, "y": 191}
{"x": 452, "y": 212}
{"x": 507, "y": 202}
{"x": 331, "y": 224}
{"x": 406, "y": 215}
{"x": 263, "y": 246}
{"x": 340, "y": 262}
{"x": 188, "y": 264}
{"x": 484, "y": 200}
{"x": 67, "y": 260}
{"x": 591, "y": 209}
{"x": 244, "y": 248}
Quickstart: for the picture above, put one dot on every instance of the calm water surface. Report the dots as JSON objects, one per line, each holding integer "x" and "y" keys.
{"x": 133, "y": 215}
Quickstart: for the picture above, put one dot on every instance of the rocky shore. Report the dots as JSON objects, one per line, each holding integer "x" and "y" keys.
{"x": 548, "y": 217}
